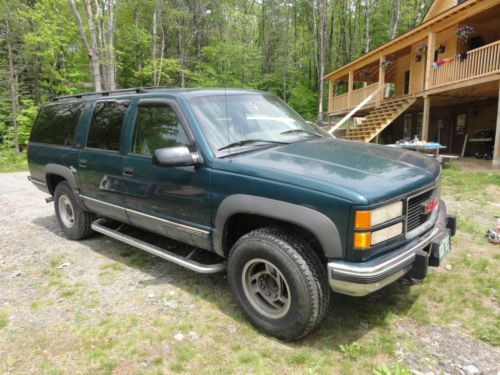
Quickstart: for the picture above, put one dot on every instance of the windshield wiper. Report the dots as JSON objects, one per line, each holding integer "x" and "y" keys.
{"x": 300, "y": 131}
{"x": 247, "y": 141}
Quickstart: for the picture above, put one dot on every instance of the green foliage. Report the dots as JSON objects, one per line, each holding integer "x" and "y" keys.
{"x": 352, "y": 351}
{"x": 261, "y": 45}
{"x": 303, "y": 100}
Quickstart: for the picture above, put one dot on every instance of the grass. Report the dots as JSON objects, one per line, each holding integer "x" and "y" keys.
{"x": 9, "y": 162}
{"x": 4, "y": 320}
{"x": 133, "y": 333}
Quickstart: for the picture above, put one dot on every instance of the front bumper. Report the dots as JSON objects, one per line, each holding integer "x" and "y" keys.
{"x": 360, "y": 279}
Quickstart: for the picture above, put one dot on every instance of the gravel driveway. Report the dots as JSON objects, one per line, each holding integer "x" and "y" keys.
{"x": 99, "y": 306}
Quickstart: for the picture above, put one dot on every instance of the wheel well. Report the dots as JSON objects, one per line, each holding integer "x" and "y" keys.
{"x": 240, "y": 224}
{"x": 52, "y": 181}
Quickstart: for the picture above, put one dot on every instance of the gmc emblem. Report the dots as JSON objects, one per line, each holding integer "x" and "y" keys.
{"x": 430, "y": 206}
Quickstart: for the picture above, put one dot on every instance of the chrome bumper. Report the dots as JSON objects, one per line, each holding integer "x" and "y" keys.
{"x": 360, "y": 279}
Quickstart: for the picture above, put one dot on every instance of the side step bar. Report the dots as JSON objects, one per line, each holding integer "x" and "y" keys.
{"x": 185, "y": 262}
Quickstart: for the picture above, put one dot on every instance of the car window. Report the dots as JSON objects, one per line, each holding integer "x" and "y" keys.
{"x": 105, "y": 128}
{"x": 228, "y": 119}
{"x": 56, "y": 123}
{"x": 157, "y": 126}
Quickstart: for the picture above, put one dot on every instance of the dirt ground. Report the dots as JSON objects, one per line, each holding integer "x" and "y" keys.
{"x": 99, "y": 306}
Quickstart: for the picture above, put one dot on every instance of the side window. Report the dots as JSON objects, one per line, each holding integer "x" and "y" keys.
{"x": 157, "y": 126}
{"x": 56, "y": 123}
{"x": 106, "y": 125}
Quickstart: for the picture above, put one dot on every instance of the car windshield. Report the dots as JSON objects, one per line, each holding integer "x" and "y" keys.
{"x": 246, "y": 121}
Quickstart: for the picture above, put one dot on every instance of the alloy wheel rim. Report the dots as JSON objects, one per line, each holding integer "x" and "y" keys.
{"x": 66, "y": 212}
{"x": 266, "y": 288}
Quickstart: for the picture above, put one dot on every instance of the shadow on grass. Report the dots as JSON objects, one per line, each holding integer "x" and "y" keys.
{"x": 347, "y": 319}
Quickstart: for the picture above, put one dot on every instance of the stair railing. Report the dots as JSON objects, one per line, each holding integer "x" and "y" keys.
{"x": 357, "y": 108}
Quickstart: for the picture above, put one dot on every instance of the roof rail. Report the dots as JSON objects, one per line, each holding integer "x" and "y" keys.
{"x": 137, "y": 90}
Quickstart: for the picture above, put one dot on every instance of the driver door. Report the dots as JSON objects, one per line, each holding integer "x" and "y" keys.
{"x": 172, "y": 201}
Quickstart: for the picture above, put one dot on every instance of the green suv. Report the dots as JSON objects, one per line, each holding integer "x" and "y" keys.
{"x": 253, "y": 188}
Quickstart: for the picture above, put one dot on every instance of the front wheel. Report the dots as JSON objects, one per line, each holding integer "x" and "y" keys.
{"x": 279, "y": 282}
{"x": 73, "y": 219}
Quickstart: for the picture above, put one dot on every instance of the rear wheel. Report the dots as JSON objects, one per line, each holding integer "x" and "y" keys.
{"x": 73, "y": 219}
{"x": 279, "y": 282}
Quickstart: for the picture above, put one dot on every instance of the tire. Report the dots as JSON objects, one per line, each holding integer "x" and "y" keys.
{"x": 73, "y": 219}
{"x": 265, "y": 257}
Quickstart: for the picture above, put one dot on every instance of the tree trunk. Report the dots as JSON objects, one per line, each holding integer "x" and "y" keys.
{"x": 91, "y": 48}
{"x": 394, "y": 18}
{"x": 153, "y": 52}
{"x": 12, "y": 77}
{"x": 111, "y": 48}
{"x": 367, "y": 25}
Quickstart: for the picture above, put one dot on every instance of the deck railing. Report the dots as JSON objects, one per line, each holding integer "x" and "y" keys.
{"x": 342, "y": 102}
{"x": 479, "y": 62}
{"x": 338, "y": 103}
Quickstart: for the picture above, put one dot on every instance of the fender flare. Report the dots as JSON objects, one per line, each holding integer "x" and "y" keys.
{"x": 64, "y": 172}
{"x": 315, "y": 222}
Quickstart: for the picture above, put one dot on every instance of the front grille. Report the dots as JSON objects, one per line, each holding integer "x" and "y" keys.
{"x": 414, "y": 214}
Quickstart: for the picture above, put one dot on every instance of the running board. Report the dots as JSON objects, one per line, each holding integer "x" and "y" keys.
{"x": 186, "y": 262}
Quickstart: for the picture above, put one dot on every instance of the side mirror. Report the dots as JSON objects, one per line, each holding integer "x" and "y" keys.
{"x": 175, "y": 157}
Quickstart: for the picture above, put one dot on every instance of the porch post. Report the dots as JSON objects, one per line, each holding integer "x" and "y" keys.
{"x": 349, "y": 89}
{"x": 431, "y": 47}
{"x": 330, "y": 96}
{"x": 425, "y": 117}
{"x": 381, "y": 79}
{"x": 496, "y": 149}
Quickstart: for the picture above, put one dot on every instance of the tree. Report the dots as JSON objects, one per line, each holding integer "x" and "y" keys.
{"x": 12, "y": 73}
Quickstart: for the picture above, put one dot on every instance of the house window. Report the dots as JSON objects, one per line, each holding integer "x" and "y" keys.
{"x": 460, "y": 128}
{"x": 407, "y": 127}
{"x": 406, "y": 87}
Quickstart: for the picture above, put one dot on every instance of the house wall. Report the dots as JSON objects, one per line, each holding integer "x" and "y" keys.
{"x": 402, "y": 65}
{"x": 417, "y": 69}
{"x": 480, "y": 116}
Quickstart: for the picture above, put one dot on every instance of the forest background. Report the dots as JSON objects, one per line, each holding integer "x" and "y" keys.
{"x": 56, "y": 47}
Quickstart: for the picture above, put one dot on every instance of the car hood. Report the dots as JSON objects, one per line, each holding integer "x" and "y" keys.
{"x": 362, "y": 173}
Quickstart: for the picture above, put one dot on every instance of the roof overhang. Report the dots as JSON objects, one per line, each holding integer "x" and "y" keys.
{"x": 435, "y": 24}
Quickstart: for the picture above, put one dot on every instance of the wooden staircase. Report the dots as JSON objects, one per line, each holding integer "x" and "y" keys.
{"x": 378, "y": 119}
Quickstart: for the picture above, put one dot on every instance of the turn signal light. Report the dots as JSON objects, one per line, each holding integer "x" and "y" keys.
{"x": 362, "y": 240}
{"x": 362, "y": 220}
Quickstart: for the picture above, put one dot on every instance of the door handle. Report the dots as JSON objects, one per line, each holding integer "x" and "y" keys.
{"x": 128, "y": 171}
{"x": 82, "y": 163}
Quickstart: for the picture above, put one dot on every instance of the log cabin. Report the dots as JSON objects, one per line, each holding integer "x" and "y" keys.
{"x": 438, "y": 81}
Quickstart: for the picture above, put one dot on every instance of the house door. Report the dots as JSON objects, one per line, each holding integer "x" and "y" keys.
{"x": 406, "y": 86}
{"x": 459, "y": 132}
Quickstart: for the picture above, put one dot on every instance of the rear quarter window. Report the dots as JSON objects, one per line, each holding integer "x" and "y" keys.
{"x": 56, "y": 123}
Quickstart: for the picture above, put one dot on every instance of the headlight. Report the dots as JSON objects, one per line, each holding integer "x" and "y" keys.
{"x": 364, "y": 222}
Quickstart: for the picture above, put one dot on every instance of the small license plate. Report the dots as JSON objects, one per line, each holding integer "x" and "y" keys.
{"x": 444, "y": 246}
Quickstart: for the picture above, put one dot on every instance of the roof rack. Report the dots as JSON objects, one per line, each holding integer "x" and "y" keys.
{"x": 137, "y": 90}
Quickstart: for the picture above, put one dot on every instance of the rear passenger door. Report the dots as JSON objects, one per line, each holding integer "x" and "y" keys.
{"x": 101, "y": 160}
{"x": 173, "y": 201}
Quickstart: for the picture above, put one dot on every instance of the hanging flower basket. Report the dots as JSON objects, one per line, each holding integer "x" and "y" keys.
{"x": 464, "y": 33}
{"x": 386, "y": 64}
